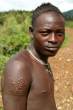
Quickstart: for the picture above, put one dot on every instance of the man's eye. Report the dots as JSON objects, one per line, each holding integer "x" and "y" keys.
{"x": 43, "y": 33}
{"x": 60, "y": 34}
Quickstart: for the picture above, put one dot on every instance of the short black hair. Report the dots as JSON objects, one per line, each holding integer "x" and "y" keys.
{"x": 43, "y": 8}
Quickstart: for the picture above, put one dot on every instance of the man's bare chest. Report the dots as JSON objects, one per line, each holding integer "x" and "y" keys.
{"x": 42, "y": 81}
{"x": 41, "y": 94}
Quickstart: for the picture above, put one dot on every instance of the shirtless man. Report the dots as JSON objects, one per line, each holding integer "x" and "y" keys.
{"x": 28, "y": 82}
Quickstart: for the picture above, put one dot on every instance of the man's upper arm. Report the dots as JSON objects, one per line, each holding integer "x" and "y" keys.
{"x": 16, "y": 84}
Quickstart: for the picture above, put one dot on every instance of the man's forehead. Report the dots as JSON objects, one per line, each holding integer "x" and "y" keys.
{"x": 50, "y": 19}
{"x": 51, "y": 16}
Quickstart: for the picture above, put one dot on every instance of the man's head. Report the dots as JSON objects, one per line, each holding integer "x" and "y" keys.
{"x": 47, "y": 29}
{"x": 44, "y": 8}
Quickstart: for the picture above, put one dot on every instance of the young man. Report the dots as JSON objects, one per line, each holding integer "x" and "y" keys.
{"x": 28, "y": 82}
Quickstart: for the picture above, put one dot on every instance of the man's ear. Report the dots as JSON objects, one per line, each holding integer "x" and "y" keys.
{"x": 31, "y": 31}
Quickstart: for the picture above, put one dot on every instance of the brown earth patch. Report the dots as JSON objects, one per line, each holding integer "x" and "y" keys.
{"x": 62, "y": 67}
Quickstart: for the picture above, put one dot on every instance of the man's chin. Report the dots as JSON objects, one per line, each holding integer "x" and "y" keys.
{"x": 52, "y": 53}
{"x": 49, "y": 53}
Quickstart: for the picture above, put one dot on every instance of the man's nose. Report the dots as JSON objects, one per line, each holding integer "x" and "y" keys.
{"x": 52, "y": 37}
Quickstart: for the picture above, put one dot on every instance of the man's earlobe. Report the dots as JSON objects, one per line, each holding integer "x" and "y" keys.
{"x": 30, "y": 29}
{"x": 31, "y": 32}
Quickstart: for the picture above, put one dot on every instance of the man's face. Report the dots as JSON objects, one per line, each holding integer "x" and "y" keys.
{"x": 48, "y": 33}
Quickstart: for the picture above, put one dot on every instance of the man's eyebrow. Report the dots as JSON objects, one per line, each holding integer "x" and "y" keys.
{"x": 60, "y": 29}
{"x": 46, "y": 30}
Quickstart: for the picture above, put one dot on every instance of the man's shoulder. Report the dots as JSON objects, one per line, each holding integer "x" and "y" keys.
{"x": 18, "y": 63}
{"x": 22, "y": 57}
{"x": 17, "y": 72}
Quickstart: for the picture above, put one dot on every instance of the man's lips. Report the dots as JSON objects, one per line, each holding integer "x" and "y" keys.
{"x": 51, "y": 48}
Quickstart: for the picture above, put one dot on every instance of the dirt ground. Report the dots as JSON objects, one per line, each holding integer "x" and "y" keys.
{"x": 62, "y": 67}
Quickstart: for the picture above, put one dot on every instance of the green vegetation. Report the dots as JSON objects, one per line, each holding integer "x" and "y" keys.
{"x": 69, "y": 24}
{"x": 1, "y": 108}
{"x": 14, "y": 34}
{"x": 66, "y": 41}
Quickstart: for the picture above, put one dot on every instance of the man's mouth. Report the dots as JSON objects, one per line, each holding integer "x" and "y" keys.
{"x": 51, "y": 48}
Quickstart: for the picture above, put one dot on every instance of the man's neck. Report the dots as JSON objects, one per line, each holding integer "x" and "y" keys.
{"x": 39, "y": 57}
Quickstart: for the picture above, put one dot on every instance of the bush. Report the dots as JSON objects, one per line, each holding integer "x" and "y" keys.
{"x": 3, "y": 60}
{"x": 13, "y": 35}
{"x": 69, "y": 24}
{"x": 1, "y": 108}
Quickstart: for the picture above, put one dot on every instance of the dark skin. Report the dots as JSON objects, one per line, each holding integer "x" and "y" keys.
{"x": 27, "y": 85}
